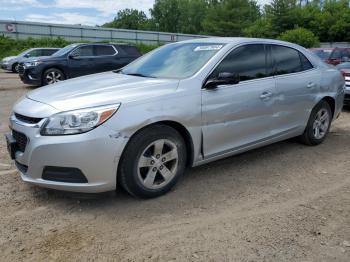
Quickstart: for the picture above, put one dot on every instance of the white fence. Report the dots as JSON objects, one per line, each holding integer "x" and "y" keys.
{"x": 22, "y": 30}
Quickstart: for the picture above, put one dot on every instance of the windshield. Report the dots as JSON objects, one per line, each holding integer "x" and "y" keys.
{"x": 25, "y": 52}
{"x": 64, "y": 50}
{"x": 179, "y": 60}
{"x": 323, "y": 54}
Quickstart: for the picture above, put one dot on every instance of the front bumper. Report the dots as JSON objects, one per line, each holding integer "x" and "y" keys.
{"x": 6, "y": 67}
{"x": 30, "y": 76}
{"x": 96, "y": 154}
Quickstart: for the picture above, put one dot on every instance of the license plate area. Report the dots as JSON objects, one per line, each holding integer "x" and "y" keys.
{"x": 12, "y": 146}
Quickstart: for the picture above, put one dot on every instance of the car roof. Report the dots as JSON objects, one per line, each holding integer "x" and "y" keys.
{"x": 235, "y": 40}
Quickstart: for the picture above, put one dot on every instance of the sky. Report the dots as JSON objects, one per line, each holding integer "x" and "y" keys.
{"x": 85, "y": 12}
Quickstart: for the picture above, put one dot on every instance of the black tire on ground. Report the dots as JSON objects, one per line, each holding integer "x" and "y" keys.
{"x": 52, "y": 75}
{"x": 309, "y": 137}
{"x": 132, "y": 178}
{"x": 15, "y": 67}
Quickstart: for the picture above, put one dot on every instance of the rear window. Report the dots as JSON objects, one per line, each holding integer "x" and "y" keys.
{"x": 339, "y": 54}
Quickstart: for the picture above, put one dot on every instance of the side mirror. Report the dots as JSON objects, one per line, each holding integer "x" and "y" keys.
{"x": 26, "y": 55}
{"x": 73, "y": 55}
{"x": 224, "y": 78}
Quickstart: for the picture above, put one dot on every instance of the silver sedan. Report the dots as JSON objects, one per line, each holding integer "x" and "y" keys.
{"x": 181, "y": 105}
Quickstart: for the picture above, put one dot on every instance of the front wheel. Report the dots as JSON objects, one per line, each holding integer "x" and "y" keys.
{"x": 153, "y": 161}
{"x": 15, "y": 68}
{"x": 52, "y": 76}
{"x": 318, "y": 124}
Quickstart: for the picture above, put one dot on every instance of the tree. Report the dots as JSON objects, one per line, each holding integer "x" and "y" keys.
{"x": 281, "y": 14}
{"x": 128, "y": 19}
{"x": 300, "y": 36}
{"x": 166, "y": 15}
{"x": 230, "y": 17}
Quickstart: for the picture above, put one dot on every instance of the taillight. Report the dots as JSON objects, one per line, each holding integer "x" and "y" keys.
{"x": 343, "y": 73}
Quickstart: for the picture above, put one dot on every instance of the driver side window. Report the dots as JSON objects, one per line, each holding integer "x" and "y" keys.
{"x": 87, "y": 50}
{"x": 248, "y": 61}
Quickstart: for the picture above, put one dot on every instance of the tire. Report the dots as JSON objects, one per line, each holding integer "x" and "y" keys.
{"x": 15, "y": 68}
{"x": 153, "y": 162}
{"x": 52, "y": 76}
{"x": 320, "y": 119}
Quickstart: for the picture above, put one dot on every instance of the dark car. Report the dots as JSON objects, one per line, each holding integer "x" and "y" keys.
{"x": 345, "y": 69}
{"x": 323, "y": 53}
{"x": 339, "y": 55}
{"x": 76, "y": 60}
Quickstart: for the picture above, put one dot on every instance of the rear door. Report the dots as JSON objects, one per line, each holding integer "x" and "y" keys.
{"x": 105, "y": 58}
{"x": 239, "y": 114}
{"x": 297, "y": 83}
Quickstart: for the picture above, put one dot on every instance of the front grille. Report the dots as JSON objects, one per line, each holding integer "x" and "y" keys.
{"x": 21, "y": 69}
{"x": 21, "y": 140}
{"x": 27, "y": 119}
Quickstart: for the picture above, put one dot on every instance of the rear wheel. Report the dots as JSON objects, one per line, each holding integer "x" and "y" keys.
{"x": 318, "y": 124}
{"x": 52, "y": 76}
{"x": 153, "y": 162}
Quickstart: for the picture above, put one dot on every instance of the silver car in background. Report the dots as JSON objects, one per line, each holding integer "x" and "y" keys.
{"x": 181, "y": 105}
{"x": 345, "y": 70}
{"x": 11, "y": 63}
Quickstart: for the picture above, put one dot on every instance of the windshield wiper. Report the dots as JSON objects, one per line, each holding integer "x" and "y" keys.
{"x": 119, "y": 71}
{"x": 138, "y": 74}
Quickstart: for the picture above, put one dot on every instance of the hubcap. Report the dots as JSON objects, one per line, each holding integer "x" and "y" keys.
{"x": 17, "y": 68}
{"x": 53, "y": 77}
{"x": 321, "y": 124}
{"x": 158, "y": 163}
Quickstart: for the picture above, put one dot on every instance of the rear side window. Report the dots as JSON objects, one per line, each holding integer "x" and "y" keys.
{"x": 130, "y": 50}
{"x": 102, "y": 50}
{"x": 287, "y": 60}
{"x": 248, "y": 61}
{"x": 48, "y": 52}
{"x": 306, "y": 65}
{"x": 87, "y": 50}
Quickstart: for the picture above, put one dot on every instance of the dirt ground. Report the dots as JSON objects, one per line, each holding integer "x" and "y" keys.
{"x": 284, "y": 202}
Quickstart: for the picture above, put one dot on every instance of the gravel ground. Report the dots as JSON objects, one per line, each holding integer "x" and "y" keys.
{"x": 284, "y": 202}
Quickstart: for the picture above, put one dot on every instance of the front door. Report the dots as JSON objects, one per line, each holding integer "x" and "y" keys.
{"x": 239, "y": 115}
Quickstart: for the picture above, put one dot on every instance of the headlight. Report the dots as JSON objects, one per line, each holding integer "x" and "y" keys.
{"x": 32, "y": 64}
{"x": 77, "y": 121}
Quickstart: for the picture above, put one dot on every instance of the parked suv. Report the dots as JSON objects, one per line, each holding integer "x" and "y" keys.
{"x": 339, "y": 55}
{"x": 183, "y": 104}
{"x": 76, "y": 60}
{"x": 11, "y": 63}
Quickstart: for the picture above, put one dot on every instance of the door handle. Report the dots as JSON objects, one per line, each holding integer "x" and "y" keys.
{"x": 265, "y": 95}
{"x": 311, "y": 85}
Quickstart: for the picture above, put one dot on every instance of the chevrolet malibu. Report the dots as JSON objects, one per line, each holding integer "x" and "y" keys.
{"x": 181, "y": 105}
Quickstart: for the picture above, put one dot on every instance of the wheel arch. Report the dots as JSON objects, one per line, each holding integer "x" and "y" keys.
{"x": 331, "y": 102}
{"x": 185, "y": 134}
{"x": 53, "y": 67}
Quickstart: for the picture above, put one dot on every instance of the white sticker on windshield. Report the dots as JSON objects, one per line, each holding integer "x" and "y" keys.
{"x": 207, "y": 48}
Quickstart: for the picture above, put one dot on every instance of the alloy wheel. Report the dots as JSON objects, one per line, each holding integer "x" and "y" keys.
{"x": 53, "y": 77}
{"x": 321, "y": 123}
{"x": 158, "y": 163}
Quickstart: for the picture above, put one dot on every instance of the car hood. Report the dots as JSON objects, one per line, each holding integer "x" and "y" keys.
{"x": 102, "y": 89}
{"x": 6, "y": 59}
{"x": 31, "y": 59}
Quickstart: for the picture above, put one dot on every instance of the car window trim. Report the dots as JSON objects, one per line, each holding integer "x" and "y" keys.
{"x": 229, "y": 52}
{"x": 77, "y": 47}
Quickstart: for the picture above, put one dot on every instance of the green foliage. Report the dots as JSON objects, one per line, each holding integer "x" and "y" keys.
{"x": 10, "y": 46}
{"x": 300, "y": 36}
{"x": 128, "y": 18}
{"x": 230, "y": 17}
{"x": 329, "y": 21}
